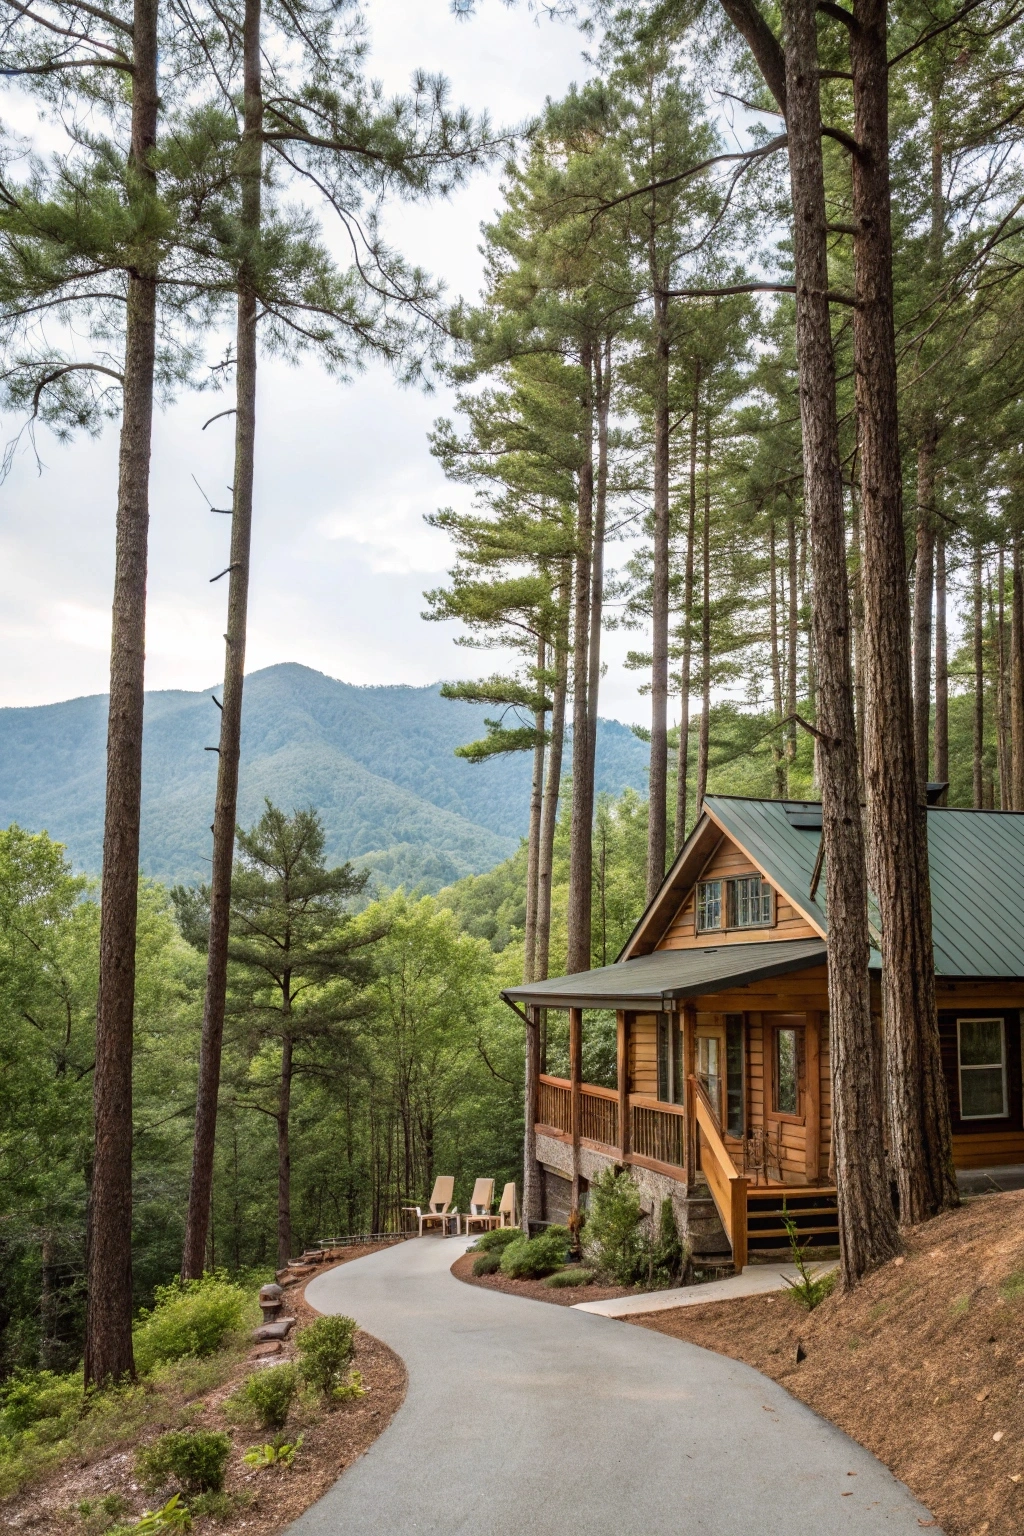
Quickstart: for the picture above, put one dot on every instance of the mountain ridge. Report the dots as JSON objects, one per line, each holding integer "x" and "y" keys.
{"x": 376, "y": 760}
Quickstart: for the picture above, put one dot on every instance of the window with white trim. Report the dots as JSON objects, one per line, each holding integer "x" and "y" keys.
{"x": 709, "y": 905}
{"x": 981, "y": 1050}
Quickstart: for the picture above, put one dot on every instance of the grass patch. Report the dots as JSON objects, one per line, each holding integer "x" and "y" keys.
{"x": 961, "y": 1306}
{"x": 1012, "y": 1288}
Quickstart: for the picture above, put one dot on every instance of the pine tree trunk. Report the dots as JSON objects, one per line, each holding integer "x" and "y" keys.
{"x": 602, "y": 392}
{"x": 683, "y": 754}
{"x": 867, "y": 1227}
{"x": 225, "y": 818}
{"x": 656, "y": 809}
{"x": 920, "y": 1138}
{"x": 284, "y": 1155}
{"x": 533, "y": 841}
{"x": 1002, "y": 700}
{"x": 704, "y": 740}
{"x": 1017, "y": 676}
{"x": 857, "y": 606}
{"x": 581, "y": 823}
{"x": 924, "y": 580}
{"x": 978, "y": 710}
{"x": 791, "y": 650}
{"x": 108, "y": 1324}
{"x": 778, "y": 746}
{"x": 549, "y": 815}
{"x": 941, "y": 665}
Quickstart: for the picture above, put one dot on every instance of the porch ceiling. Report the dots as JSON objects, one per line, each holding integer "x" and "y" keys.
{"x": 652, "y": 980}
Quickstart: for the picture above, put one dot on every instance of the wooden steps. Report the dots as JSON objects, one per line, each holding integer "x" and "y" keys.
{"x": 813, "y": 1212}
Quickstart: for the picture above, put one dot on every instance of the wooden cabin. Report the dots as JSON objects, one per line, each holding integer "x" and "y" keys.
{"x": 723, "y": 1094}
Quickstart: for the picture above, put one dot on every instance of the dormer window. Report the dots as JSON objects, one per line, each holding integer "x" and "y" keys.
{"x": 746, "y": 902}
{"x": 709, "y": 905}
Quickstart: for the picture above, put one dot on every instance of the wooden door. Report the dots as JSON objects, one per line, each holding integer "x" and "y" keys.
{"x": 710, "y": 1061}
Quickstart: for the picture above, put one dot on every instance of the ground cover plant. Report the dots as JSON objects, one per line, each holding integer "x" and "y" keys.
{"x": 169, "y": 1453}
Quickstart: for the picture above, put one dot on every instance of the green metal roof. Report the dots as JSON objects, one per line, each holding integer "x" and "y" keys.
{"x": 976, "y": 859}
{"x": 650, "y": 980}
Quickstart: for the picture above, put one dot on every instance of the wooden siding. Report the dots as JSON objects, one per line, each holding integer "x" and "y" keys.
{"x": 727, "y": 862}
{"x": 643, "y": 1054}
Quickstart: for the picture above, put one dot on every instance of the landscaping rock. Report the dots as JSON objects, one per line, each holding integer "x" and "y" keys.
{"x": 278, "y": 1330}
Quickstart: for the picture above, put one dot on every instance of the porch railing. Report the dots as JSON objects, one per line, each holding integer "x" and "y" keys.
{"x": 599, "y": 1120}
{"x": 659, "y": 1132}
{"x": 553, "y": 1106}
{"x": 728, "y": 1188}
{"x": 599, "y": 1116}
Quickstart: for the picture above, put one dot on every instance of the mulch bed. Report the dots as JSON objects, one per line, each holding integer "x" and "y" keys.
{"x": 268, "y": 1500}
{"x": 536, "y": 1290}
{"x": 923, "y": 1363}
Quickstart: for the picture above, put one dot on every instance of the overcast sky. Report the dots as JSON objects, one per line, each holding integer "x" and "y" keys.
{"x": 341, "y": 554}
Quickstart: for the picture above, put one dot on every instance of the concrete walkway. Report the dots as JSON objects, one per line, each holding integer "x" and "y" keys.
{"x": 524, "y": 1417}
{"x": 752, "y": 1281}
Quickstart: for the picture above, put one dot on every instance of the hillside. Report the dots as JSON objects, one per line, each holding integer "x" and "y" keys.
{"x": 378, "y": 763}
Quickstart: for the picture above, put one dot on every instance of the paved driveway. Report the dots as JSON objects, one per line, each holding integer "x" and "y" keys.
{"x": 527, "y": 1418}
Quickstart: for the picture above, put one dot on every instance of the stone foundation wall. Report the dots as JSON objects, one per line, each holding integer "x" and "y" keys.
{"x": 696, "y": 1214}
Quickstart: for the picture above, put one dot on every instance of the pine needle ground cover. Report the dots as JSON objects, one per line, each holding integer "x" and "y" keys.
{"x": 101, "y": 1486}
{"x": 923, "y": 1364}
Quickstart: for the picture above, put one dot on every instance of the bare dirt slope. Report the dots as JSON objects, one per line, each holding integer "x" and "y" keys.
{"x": 923, "y": 1363}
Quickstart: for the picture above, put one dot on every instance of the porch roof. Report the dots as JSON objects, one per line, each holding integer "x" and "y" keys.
{"x": 651, "y": 980}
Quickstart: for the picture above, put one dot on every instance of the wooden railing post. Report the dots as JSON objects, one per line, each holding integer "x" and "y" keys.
{"x": 575, "y": 1108}
{"x": 622, "y": 1064}
{"x": 531, "y": 1170}
{"x": 689, "y": 1023}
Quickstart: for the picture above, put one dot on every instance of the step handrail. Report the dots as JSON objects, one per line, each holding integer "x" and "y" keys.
{"x": 728, "y": 1188}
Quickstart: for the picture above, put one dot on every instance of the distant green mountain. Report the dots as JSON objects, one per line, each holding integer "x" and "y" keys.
{"x": 378, "y": 764}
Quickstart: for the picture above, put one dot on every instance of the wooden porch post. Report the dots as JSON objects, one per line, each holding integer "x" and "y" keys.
{"x": 575, "y": 1110}
{"x": 812, "y": 1119}
{"x": 531, "y": 1172}
{"x": 689, "y": 1022}
{"x": 622, "y": 1064}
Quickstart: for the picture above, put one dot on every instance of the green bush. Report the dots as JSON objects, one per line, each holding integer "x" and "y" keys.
{"x": 326, "y": 1349}
{"x": 268, "y": 1395}
{"x": 574, "y": 1275}
{"x": 487, "y": 1263}
{"x": 195, "y": 1459}
{"x": 668, "y": 1256}
{"x": 614, "y": 1238}
{"x": 531, "y": 1258}
{"x": 191, "y": 1319}
{"x": 40, "y": 1401}
{"x": 489, "y": 1242}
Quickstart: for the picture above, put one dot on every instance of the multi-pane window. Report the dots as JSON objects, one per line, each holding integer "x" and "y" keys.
{"x": 670, "y": 1060}
{"x": 709, "y": 905}
{"x": 748, "y": 903}
{"x": 982, "y": 1051}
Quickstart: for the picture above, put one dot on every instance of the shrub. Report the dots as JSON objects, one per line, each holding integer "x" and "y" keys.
{"x": 190, "y": 1319}
{"x": 806, "y": 1290}
{"x": 487, "y": 1263}
{"x": 531, "y": 1258}
{"x": 668, "y": 1256}
{"x": 193, "y": 1458}
{"x": 326, "y": 1349}
{"x": 174, "y": 1518}
{"x": 489, "y": 1242}
{"x": 614, "y": 1238}
{"x": 278, "y": 1453}
{"x": 268, "y": 1395}
{"x": 574, "y": 1275}
{"x": 41, "y": 1401}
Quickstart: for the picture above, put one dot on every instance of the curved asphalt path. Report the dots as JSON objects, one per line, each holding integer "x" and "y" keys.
{"x": 526, "y": 1417}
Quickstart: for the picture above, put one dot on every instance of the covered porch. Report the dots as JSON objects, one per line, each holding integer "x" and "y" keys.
{"x": 721, "y": 1094}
